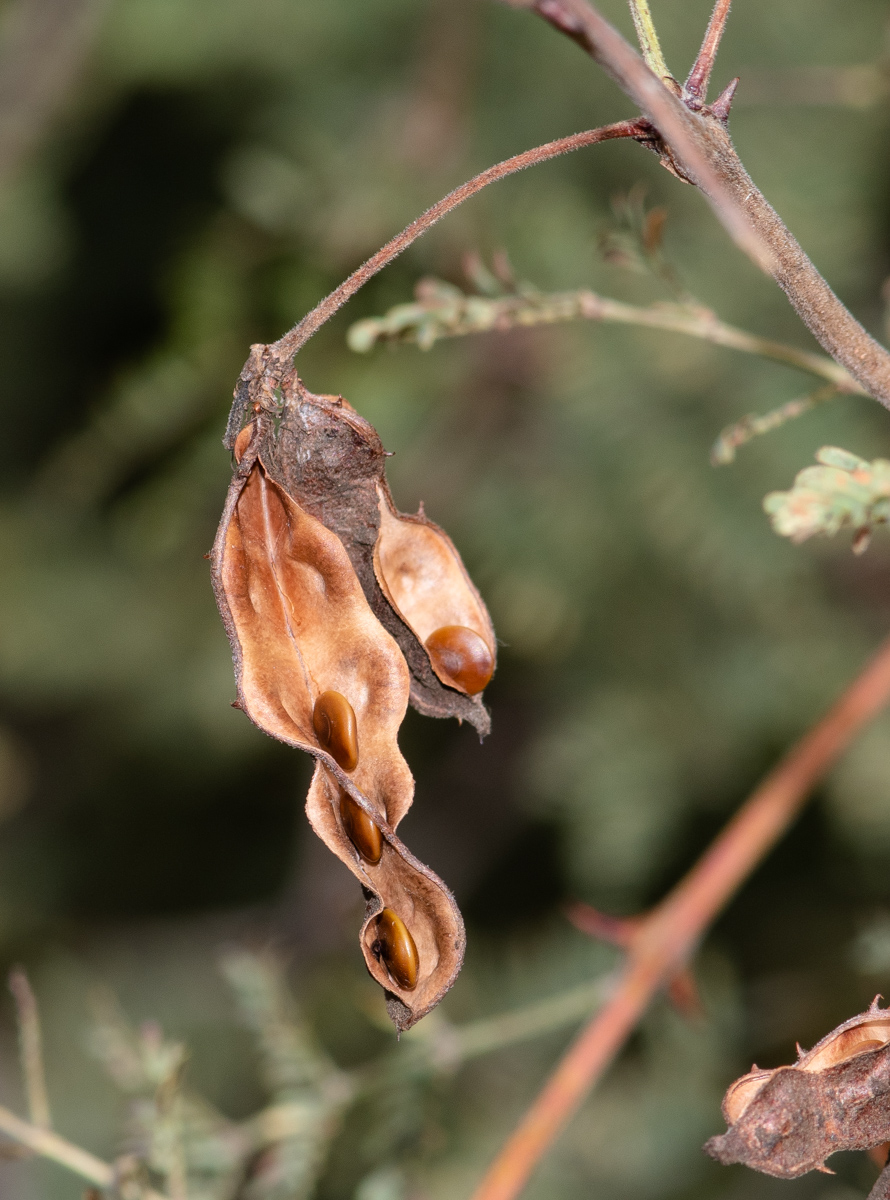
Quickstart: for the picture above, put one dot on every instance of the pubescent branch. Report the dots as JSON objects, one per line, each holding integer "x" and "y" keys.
{"x": 699, "y": 149}
{"x": 669, "y": 935}
{"x": 287, "y": 346}
{"x": 266, "y": 365}
{"x": 648, "y": 37}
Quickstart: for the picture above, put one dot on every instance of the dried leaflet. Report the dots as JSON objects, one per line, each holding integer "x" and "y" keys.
{"x": 785, "y": 1122}
{"x": 293, "y": 566}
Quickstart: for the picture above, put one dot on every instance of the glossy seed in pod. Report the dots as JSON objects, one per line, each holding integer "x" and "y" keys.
{"x": 333, "y": 720}
{"x": 360, "y": 829}
{"x": 462, "y": 656}
{"x": 395, "y": 946}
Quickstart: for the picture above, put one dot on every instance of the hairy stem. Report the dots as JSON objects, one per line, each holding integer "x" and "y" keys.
{"x": 648, "y": 38}
{"x": 700, "y": 149}
{"x": 285, "y": 348}
{"x": 700, "y": 75}
{"x": 669, "y": 935}
{"x": 50, "y": 1145}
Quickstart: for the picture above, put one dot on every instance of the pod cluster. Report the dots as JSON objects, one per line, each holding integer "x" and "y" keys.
{"x": 340, "y": 611}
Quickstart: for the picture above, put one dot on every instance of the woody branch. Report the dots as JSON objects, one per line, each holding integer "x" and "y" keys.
{"x": 664, "y": 940}
{"x": 697, "y": 146}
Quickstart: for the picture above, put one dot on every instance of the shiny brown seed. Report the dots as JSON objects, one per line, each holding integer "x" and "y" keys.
{"x": 333, "y": 720}
{"x": 395, "y": 946}
{"x": 462, "y": 656}
{"x": 360, "y": 829}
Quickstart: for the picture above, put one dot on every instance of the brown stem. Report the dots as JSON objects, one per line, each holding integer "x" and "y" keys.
{"x": 669, "y": 935}
{"x": 700, "y": 75}
{"x": 286, "y": 347}
{"x": 698, "y": 148}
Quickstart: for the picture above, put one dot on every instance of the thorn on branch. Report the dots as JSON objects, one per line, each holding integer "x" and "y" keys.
{"x": 614, "y": 931}
{"x": 721, "y": 106}
{"x": 682, "y": 990}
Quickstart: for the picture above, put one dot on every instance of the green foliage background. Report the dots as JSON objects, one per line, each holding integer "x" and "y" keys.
{"x": 215, "y": 170}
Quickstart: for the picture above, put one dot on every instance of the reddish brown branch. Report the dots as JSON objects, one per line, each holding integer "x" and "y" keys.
{"x": 697, "y": 147}
{"x": 700, "y": 75}
{"x": 669, "y": 935}
{"x": 287, "y": 346}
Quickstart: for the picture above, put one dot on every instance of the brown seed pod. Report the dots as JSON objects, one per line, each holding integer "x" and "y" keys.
{"x": 785, "y": 1122}
{"x": 301, "y": 630}
{"x": 331, "y": 462}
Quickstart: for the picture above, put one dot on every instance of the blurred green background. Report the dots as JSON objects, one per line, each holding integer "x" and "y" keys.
{"x": 179, "y": 179}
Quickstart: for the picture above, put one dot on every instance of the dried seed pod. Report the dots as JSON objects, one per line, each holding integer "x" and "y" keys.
{"x": 301, "y": 629}
{"x": 422, "y": 576}
{"x": 331, "y": 462}
{"x": 395, "y": 946}
{"x": 785, "y": 1122}
{"x": 360, "y": 829}
{"x": 333, "y": 719}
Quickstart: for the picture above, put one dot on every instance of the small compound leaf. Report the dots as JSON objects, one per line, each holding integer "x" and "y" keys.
{"x": 787, "y": 1121}
{"x": 843, "y": 492}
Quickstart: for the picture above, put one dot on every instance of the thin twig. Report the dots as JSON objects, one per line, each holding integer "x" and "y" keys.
{"x": 30, "y": 1048}
{"x": 285, "y": 348}
{"x": 669, "y": 935}
{"x": 699, "y": 149}
{"x": 754, "y": 425}
{"x": 700, "y": 75}
{"x": 50, "y": 1145}
{"x": 648, "y": 38}
{"x": 478, "y": 314}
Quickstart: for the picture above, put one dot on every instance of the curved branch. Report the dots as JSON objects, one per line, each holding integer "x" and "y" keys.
{"x": 286, "y": 347}
{"x": 670, "y": 934}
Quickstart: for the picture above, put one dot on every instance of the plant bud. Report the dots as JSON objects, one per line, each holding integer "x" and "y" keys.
{"x": 333, "y": 720}
{"x": 360, "y": 829}
{"x": 462, "y": 656}
{"x": 395, "y": 946}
